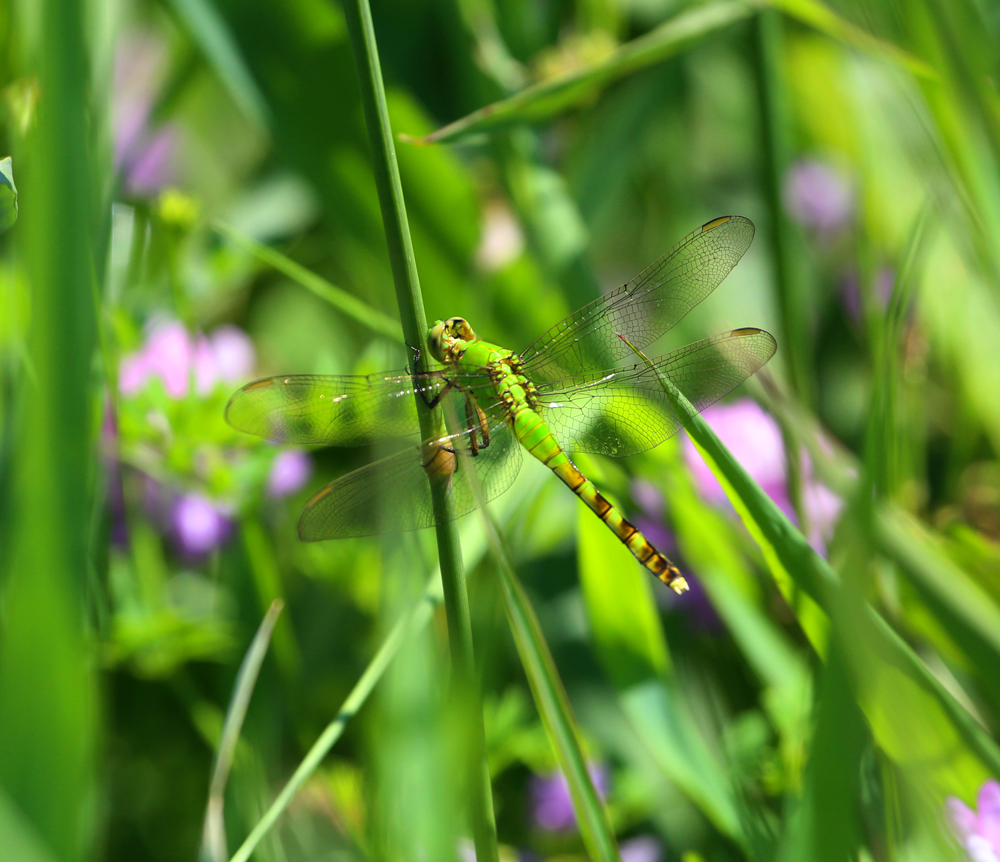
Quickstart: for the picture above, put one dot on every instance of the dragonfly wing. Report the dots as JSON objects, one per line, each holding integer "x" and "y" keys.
{"x": 349, "y": 410}
{"x": 624, "y": 410}
{"x": 645, "y": 308}
{"x": 394, "y": 495}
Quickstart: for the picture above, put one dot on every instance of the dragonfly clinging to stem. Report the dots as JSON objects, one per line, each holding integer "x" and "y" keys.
{"x": 576, "y": 388}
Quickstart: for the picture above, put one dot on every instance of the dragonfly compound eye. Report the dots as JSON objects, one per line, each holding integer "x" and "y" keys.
{"x": 434, "y": 336}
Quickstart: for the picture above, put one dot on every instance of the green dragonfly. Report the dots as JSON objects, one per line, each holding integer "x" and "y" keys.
{"x": 576, "y": 388}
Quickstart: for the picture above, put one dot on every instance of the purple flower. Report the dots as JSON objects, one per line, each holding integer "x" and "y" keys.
{"x": 199, "y": 525}
{"x": 289, "y": 472}
{"x": 755, "y": 441}
{"x": 171, "y": 354}
{"x": 145, "y": 157}
{"x": 850, "y": 292}
{"x": 979, "y": 832}
{"x": 551, "y": 802}
{"x": 642, "y": 848}
{"x": 817, "y": 195}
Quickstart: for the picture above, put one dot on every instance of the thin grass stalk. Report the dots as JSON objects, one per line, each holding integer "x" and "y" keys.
{"x": 400, "y": 633}
{"x": 791, "y": 279}
{"x": 552, "y": 702}
{"x": 548, "y": 691}
{"x": 407, "y": 283}
{"x": 381, "y": 324}
{"x": 213, "y": 835}
{"x": 556, "y": 712}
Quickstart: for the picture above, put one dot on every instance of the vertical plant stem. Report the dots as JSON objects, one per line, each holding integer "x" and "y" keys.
{"x": 48, "y": 710}
{"x": 411, "y": 311}
{"x": 785, "y": 239}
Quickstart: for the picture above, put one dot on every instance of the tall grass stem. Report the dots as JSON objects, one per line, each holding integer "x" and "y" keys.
{"x": 390, "y": 194}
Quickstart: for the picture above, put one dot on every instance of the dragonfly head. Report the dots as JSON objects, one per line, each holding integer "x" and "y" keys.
{"x": 447, "y": 339}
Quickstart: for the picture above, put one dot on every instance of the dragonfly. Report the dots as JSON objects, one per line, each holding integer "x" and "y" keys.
{"x": 576, "y": 388}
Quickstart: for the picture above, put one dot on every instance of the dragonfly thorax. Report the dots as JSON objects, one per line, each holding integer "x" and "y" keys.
{"x": 447, "y": 339}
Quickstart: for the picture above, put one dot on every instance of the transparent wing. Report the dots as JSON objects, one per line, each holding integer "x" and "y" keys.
{"x": 624, "y": 410}
{"x": 335, "y": 410}
{"x": 645, "y": 308}
{"x": 394, "y": 495}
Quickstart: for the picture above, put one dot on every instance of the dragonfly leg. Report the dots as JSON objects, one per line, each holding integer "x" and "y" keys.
{"x": 477, "y": 424}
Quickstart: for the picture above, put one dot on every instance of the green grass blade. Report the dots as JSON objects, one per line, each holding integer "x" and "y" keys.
{"x": 397, "y": 637}
{"x": 209, "y": 31}
{"x": 900, "y": 673}
{"x": 959, "y": 604}
{"x": 546, "y": 99}
{"x": 794, "y": 293}
{"x": 554, "y": 709}
{"x": 49, "y": 699}
{"x": 18, "y": 836}
{"x": 325, "y": 290}
{"x": 394, "y": 641}
{"x": 822, "y": 18}
{"x": 629, "y": 642}
{"x": 623, "y": 618}
{"x": 213, "y": 836}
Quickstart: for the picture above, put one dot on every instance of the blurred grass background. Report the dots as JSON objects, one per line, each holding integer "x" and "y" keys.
{"x": 196, "y": 208}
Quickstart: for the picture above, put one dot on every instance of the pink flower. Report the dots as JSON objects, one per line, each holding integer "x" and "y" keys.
{"x": 817, "y": 195}
{"x": 170, "y": 353}
{"x": 289, "y": 472}
{"x": 756, "y": 442}
{"x": 979, "y": 832}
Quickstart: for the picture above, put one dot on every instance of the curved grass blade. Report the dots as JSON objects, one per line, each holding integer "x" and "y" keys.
{"x": 549, "y": 98}
{"x": 210, "y": 32}
{"x": 410, "y": 623}
{"x": 337, "y": 297}
{"x": 789, "y": 554}
{"x": 414, "y": 621}
{"x": 544, "y": 100}
{"x": 213, "y": 836}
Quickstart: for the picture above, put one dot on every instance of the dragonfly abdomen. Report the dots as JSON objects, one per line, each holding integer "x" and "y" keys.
{"x": 536, "y": 437}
